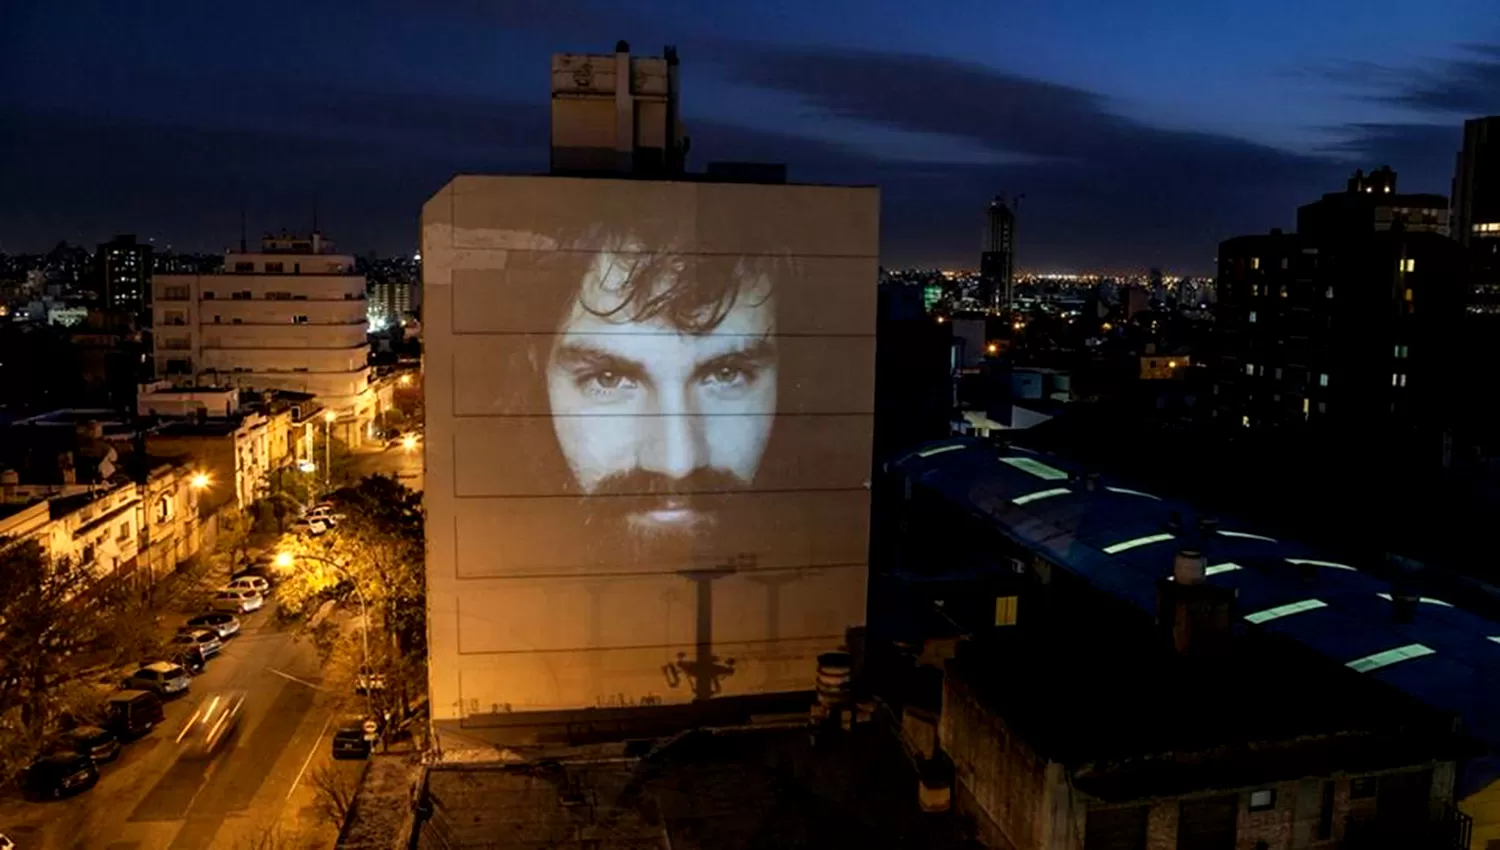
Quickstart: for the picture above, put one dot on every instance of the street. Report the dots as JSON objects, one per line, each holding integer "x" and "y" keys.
{"x": 405, "y": 465}
{"x": 148, "y": 798}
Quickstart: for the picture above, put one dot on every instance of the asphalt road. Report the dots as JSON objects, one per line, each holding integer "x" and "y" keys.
{"x": 405, "y": 465}
{"x": 149, "y": 798}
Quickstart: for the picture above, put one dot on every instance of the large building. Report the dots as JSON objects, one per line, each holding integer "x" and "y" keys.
{"x": 1476, "y": 209}
{"x": 125, "y": 276}
{"x": 1352, "y": 323}
{"x": 1333, "y": 682}
{"x": 289, "y": 317}
{"x": 649, "y": 424}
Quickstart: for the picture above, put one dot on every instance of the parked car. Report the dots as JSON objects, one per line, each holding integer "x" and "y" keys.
{"x": 207, "y": 640}
{"x": 101, "y": 745}
{"x": 311, "y": 527}
{"x": 134, "y": 713}
{"x": 237, "y": 601}
{"x": 162, "y": 678}
{"x": 267, "y": 571}
{"x": 61, "y": 774}
{"x": 212, "y": 724}
{"x": 189, "y": 658}
{"x": 351, "y": 740}
{"x": 225, "y": 625}
{"x": 255, "y": 583}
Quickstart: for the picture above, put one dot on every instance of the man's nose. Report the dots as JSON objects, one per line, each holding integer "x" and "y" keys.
{"x": 677, "y": 445}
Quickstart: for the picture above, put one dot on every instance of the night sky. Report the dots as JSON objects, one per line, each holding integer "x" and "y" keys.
{"x": 1141, "y": 132}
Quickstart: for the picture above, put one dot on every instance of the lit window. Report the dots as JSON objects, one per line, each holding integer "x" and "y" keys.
{"x": 1403, "y": 380}
{"x": 1408, "y": 265}
{"x": 1408, "y": 296}
{"x": 1255, "y": 262}
{"x": 1286, "y": 610}
{"x": 1245, "y": 420}
{"x": 1305, "y": 404}
{"x": 1389, "y": 657}
{"x": 1036, "y": 467}
{"x": 1281, "y": 290}
{"x": 1328, "y": 293}
{"x": 1252, "y": 317}
{"x": 1136, "y": 542}
{"x": 1005, "y": 610}
{"x": 1323, "y": 379}
{"x": 1262, "y": 799}
{"x": 1322, "y": 407}
{"x": 1247, "y": 536}
{"x": 1039, "y": 495}
{"x": 1425, "y": 600}
{"x": 1308, "y": 562}
{"x": 1400, "y": 352}
{"x": 1394, "y": 376}
{"x": 1249, "y": 368}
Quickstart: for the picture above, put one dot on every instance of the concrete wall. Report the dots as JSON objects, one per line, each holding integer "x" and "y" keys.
{"x": 531, "y": 606}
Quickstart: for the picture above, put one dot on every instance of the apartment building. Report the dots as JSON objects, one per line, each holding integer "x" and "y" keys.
{"x": 291, "y": 316}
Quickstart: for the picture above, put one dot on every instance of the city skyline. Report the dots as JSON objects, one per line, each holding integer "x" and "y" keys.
{"x": 1139, "y": 138}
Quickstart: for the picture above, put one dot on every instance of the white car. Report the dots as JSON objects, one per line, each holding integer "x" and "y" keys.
{"x": 255, "y": 583}
{"x": 160, "y": 677}
{"x": 312, "y": 527}
{"x": 237, "y": 601}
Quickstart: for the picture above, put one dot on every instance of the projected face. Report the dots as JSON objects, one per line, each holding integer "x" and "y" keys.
{"x": 663, "y": 387}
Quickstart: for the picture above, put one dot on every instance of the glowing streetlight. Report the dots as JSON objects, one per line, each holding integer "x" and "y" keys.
{"x": 409, "y": 442}
{"x": 284, "y": 560}
{"x": 330, "y": 417}
{"x": 405, "y": 380}
{"x": 992, "y": 348}
{"x": 200, "y": 481}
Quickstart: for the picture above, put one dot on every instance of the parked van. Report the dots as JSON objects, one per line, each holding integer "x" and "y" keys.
{"x": 134, "y": 713}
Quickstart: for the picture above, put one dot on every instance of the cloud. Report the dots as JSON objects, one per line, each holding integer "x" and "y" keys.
{"x": 1103, "y": 189}
{"x": 1468, "y": 85}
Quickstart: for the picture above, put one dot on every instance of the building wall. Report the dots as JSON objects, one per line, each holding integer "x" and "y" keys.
{"x": 531, "y": 607}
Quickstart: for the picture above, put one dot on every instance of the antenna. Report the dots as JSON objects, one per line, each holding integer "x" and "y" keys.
{"x": 243, "y": 247}
{"x": 315, "y": 213}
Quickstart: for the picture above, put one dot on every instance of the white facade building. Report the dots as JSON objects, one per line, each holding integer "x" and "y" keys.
{"x": 290, "y": 317}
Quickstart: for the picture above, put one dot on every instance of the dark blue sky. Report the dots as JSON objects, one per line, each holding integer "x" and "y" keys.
{"x": 1141, "y": 132}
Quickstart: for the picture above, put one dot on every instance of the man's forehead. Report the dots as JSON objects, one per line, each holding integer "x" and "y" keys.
{"x": 619, "y": 284}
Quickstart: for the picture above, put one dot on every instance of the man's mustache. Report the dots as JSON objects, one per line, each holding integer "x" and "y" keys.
{"x": 642, "y": 482}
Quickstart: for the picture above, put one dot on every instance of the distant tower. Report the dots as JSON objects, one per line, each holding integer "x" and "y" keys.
{"x": 997, "y": 261}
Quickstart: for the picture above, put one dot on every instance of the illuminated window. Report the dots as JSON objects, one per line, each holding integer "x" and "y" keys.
{"x": 1394, "y": 376}
{"x": 1249, "y": 368}
{"x": 1328, "y": 293}
{"x": 1252, "y": 317}
{"x": 1039, "y": 495}
{"x": 1281, "y": 290}
{"x": 1402, "y": 381}
{"x": 1408, "y": 265}
{"x": 1005, "y": 610}
{"x": 1401, "y": 352}
{"x": 1425, "y": 600}
{"x": 1247, "y": 536}
{"x": 1124, "y": 491}
{"x": 1322, "y": 407}
{"x": 1408, "y": 296}
{"x": 1255, "y": 262}
{"x": 1322, "y": 379}
{"x": 1262, "y": 799}
{"x": 1036, "y": 467}
{"x": 1305, "y": 405}
{"x": 1286, "y": 610}
{"x": 1245, "y": 420}
{"x": 1389, "y": 657}
{"x": 1117, "y": 548}
{"x": 1487, "y": 227}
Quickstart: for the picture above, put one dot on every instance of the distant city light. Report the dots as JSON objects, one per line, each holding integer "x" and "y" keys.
{"x": 992, "y": 348}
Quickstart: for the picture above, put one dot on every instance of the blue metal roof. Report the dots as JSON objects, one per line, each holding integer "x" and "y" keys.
{"x": 1080, "y": 529}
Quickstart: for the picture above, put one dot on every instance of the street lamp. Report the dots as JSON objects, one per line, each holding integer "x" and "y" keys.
{"x": 200, "y": 481}
{"x": 405, "y": 380}
{"x": 285, "y": 560}
{"x": 409, "y": 442}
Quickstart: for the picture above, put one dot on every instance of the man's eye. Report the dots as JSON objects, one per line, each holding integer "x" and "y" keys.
{"x": 605, "y": 381}
{"x": 729, "y": 375}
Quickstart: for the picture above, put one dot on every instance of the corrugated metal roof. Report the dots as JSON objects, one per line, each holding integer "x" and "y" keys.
{"x": 1114, "y": 536}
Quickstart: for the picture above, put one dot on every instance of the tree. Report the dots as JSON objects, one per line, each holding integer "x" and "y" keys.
{"x": 58, "y": 621}
{"x": 377, "y": 551}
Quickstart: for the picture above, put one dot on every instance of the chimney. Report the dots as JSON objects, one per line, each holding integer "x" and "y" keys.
{"x": 1196, "y": 613}
{"x": 1188, "y": 567}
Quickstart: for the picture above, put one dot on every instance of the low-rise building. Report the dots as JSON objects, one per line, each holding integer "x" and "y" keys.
{"x": 236, "y": 453}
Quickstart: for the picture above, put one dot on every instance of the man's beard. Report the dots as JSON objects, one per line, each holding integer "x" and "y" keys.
{"x": 652, "y": 512}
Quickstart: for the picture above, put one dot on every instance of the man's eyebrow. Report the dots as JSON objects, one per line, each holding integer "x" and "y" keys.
{"x": 760, "y": 347}
{"x": 578, "y": 354}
